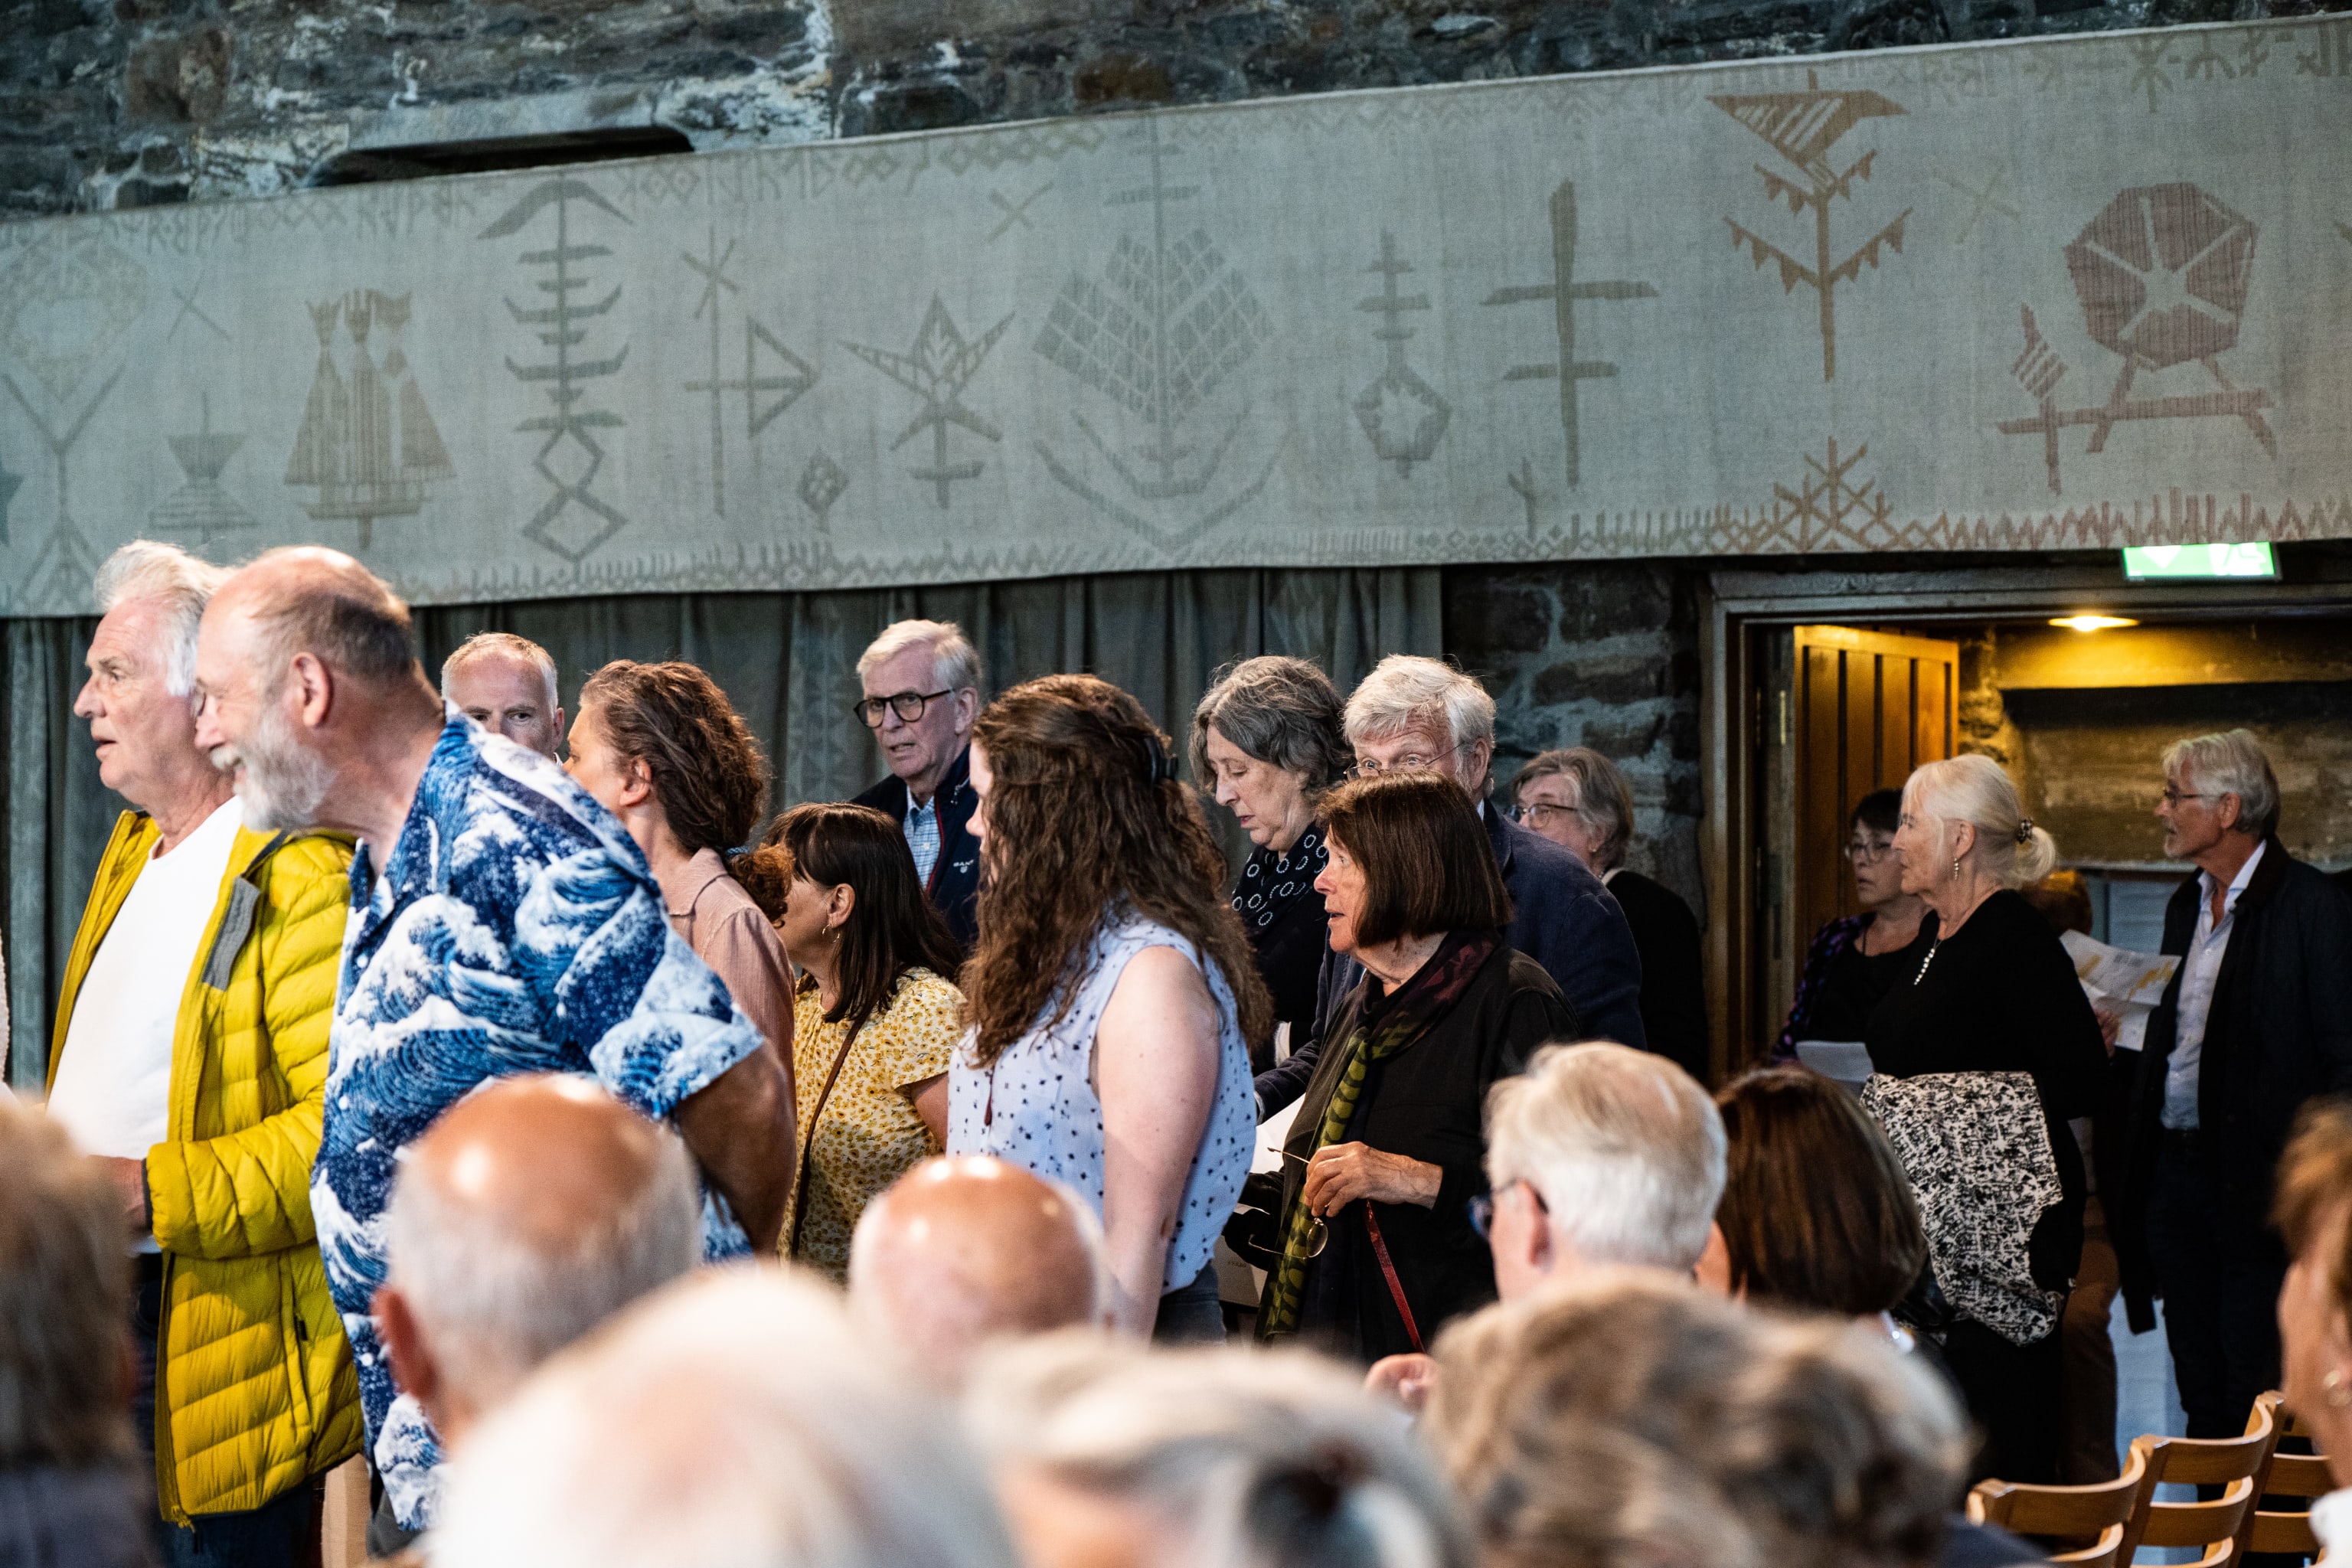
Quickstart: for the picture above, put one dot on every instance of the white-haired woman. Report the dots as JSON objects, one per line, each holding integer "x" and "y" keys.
{"x": 1104, "y": 1453}
{"x": 1995, "y": 992}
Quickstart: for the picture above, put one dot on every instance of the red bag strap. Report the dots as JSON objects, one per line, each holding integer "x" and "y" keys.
{"x": 1396, "y": 1287}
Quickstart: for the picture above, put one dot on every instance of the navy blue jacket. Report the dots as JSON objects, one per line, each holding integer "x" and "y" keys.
{"x": 1562, "y": 918}
{"x": 954, "y": 885}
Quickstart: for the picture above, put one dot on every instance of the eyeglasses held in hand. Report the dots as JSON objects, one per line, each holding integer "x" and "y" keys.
{"x": 1319, "y": 1235}
{"x": 907, "y": 705}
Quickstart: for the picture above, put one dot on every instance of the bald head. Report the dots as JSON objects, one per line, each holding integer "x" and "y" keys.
{"x": 530, "y": 1212}
{"x": 310, "y": 698}
{"x": 966, "y": 1249}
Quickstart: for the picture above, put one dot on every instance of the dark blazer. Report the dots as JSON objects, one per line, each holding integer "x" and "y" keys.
{"x": 1562, "y": 918}
{"x": 1427, "y": 1102}
{"x": 954, "y": 886}
{"x": 2278, "y": 1032}
{"x": 1673, "y": 982}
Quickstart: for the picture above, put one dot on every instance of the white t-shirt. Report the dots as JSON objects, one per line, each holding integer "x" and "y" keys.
{"x": 114, "y": 1079}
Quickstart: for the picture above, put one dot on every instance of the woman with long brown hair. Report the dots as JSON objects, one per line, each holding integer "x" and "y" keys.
{"x": 1112, "y": 993}
{"x": 873, "y": 1021}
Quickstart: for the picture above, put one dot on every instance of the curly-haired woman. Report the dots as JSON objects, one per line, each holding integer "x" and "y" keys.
{"x": 660, "y": 747}
{"x": 1112, "y": 992}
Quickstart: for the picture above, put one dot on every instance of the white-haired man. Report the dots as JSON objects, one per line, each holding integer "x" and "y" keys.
{"x": 531, "y": 1212}
{"x": 205, "y": 965}
{"x": 964, "y": 1250}
{"x": 1421, "y": 713}
{"x": 1597, "y": 1157}
{"x": 507, "y": 684}
{"x": 920, "y": 685}
{"x": 501, "y": 922}
{"x": 2257, "y": 1020}
{"x": 734, "y": 1418}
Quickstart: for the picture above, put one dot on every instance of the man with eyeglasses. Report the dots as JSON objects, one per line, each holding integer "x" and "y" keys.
{"x": 920, "y": 683}
{"x": 2257, "y": 1020}
{"x": 1420, "y": 713}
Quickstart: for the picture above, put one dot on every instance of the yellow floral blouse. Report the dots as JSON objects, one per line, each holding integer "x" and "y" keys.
{"x": 870, "y": 1133}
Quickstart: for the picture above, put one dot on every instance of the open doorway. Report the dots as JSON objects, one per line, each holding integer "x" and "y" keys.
{"x": 1822, "y": 689}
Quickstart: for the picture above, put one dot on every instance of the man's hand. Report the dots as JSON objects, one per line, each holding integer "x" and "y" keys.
{"x": 1403, "y": 1380}
{"x": 129, "y": 1178}
{"x": 1341, "y": 1173}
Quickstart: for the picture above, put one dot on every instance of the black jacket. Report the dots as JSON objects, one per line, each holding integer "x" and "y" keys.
{"x": 1674, "y": 981}
{"x": 954, "y": 886}
{"x": 1427, "y": 1102}
{"x": 1562, "y": 918}
{"x": 2278, "y": 1032}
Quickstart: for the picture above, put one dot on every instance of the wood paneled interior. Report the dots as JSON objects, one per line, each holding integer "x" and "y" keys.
{"x": 1871, "y": 706}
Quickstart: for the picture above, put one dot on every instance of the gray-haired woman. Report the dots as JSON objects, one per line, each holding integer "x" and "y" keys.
{"x": 1577, "y": 798}
{"x": 1267, "y": 741}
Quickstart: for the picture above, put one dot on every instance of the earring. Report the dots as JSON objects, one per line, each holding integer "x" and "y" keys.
{"x": 1956, "y": 867}
{"x": 2339, "y": 1395}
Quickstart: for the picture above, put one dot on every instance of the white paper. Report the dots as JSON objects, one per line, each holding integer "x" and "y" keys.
{"x": 1848, "y": 1061}
{"x": 2128, "y": 985}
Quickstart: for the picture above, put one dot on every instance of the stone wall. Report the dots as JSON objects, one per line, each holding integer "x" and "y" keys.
{"x": 107, "y": 103}
{"x": 1599, "y": 656}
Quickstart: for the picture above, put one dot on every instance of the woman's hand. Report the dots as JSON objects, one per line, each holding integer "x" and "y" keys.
{"x": 1341, "y": 1173}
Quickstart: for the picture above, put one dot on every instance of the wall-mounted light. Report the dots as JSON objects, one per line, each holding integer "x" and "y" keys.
{"x": 2092, "y": 623}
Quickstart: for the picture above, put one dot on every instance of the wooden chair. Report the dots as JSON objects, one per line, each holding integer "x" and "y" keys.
{"x": 2303, "y": 1475}
{"x": 2102, "y": 1513}
{"x": 2236, "y": 1465}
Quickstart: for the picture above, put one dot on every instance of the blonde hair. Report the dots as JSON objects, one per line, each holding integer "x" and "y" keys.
{"x": 1625, "y": 1147}
{"x": 734, "y": 1420}
{"x": 1978, "y": 791}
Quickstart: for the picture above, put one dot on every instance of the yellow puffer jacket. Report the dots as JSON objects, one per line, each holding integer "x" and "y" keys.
{"x": 254, "y": 1387}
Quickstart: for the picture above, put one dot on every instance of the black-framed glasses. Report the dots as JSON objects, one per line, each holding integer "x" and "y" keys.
{"x": 907, "y": 705}
{"x": 1868, "y": 851}
{"x": 1411, "y": 762}
{"x": 1481, "y": 1208}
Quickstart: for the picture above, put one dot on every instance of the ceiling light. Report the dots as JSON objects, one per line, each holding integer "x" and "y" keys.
{"x": 2092, "y": 623}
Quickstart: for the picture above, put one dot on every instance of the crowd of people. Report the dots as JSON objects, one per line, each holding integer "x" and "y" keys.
{"x": 630, "y": 1178}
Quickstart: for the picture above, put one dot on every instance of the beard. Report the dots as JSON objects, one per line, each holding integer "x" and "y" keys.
{"x": 283, "y": 781}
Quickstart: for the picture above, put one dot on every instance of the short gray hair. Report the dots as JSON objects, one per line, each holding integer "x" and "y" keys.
{"x": 955, "y": 663}
{"x": 1602, "y": 796}
{"x": 2231, "y": 762}
{"x": 1282, "y": 712}
{"x": 180, "y": 584}
{"x": 1974, "y": 789}
{"x": 1625, "y": 1147}
{"x": 63, "y": 1279}
{"x": 513, "y": 647}
{"x": 497, "y": 1300}
{"x": 1405, "y": 691}
{"x": 1264, "y": 1459}
{"x": 737, "y": 1418}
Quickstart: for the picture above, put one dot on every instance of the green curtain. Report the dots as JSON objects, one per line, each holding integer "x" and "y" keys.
{"x": 788, "y": 660}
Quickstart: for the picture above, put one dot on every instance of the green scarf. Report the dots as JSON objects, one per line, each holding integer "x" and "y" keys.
{"x": 1378, "y": 1033}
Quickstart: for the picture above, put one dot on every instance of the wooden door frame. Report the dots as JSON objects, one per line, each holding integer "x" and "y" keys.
{"x": 1737, "y": 602}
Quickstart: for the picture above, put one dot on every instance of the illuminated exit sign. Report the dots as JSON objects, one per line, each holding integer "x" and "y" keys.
{"x": 2143, "y": 563}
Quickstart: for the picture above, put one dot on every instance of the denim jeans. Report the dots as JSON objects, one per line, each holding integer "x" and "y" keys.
{"x": 275, "y": 1535}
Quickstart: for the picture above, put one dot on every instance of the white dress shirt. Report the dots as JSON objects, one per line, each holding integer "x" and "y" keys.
{"x": 2199, "y": 969}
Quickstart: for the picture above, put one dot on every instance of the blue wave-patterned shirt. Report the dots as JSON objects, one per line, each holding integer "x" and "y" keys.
{"x": 515, "y": 928}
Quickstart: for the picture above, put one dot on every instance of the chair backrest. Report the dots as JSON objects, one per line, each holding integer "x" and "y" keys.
{"x": 2102, "y": 1512}
{"x": 2233, "y": 1464}
{"x": 2305, "y": 1475}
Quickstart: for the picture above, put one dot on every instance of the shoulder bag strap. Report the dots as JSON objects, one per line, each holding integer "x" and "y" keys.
{"x": 1396, "y": 1285}
{"x": 808, "y": 1153}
